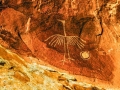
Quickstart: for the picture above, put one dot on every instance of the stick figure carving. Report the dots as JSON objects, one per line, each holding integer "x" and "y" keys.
{"x": 65, "y": 40}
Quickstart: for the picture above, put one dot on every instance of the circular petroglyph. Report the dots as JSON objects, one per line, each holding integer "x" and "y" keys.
{"x": 85, "y": 55}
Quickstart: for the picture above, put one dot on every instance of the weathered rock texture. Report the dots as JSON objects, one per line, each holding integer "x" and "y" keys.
{"x": 17, "y": 74}
{"x": 33, "y": 27}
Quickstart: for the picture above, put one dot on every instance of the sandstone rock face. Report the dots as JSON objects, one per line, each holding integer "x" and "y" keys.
{"x": 16, "y": 73}
{"x": 81, "y": 37}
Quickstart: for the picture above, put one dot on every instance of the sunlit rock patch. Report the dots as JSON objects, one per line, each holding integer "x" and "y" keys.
{"x": 17, "y": 74}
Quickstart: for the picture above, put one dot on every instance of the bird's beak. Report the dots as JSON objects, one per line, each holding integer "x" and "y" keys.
{"x": 63, "y": 21}
{"x": 59, "y": 20}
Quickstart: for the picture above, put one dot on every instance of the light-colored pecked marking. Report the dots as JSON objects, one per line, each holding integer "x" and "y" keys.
{"x": 64, "y": 40}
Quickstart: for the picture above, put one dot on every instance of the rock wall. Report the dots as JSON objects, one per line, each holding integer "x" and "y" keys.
{"x": 16, "y": 73}
{"x": 81, "y": 37}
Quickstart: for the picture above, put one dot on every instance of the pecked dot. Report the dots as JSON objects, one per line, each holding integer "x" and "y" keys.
{"x": 85, "y": 55}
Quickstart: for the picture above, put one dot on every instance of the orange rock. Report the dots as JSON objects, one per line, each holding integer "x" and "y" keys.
{"x": 53, "y": 75}
{"x": 38, "y": 78}
{"x": 22, "y": 77}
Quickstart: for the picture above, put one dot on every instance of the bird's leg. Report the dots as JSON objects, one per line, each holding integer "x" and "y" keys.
{"x": 68, "y": 53}
{"x": 64, "y": 59}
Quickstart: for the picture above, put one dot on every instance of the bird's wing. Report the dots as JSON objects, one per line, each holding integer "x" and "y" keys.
{"x": 75, "y": 40}
{"x": 56, "y": 39}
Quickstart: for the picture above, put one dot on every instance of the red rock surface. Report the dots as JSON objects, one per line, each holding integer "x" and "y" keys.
{"x": 89, "y": 20}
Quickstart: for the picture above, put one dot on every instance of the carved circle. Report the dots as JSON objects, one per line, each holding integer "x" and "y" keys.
{"x": 85, "y": 55}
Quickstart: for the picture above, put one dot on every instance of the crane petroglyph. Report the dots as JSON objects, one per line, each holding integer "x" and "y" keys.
{"x": 58, "y": 39}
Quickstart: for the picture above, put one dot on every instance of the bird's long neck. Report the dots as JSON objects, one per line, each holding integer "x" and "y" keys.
{"x": 64, "y": 29}
{"x": 63, "y": 22}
